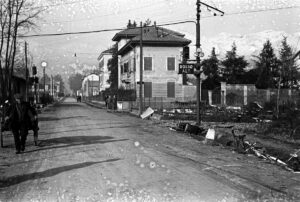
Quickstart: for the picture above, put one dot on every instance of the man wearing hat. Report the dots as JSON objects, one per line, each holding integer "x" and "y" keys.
{"x": 19, "y": 120}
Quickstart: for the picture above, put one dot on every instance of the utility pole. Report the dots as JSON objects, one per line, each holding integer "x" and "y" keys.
{"x": 44, "y": 81}
{"x": 26, "y": 74}
{"x": 141, "y": 71}
{"x": 44, "y": 64}
{"x": 200, "y": 54}
{"x": 198, "y": 61}
{"x": 52, "y": 86}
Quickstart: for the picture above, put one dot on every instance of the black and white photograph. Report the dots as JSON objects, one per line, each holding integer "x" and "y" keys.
{"x": 149, "y": 101}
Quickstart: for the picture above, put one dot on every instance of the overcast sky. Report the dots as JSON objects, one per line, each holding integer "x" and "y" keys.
{"x": 241, "y": 17}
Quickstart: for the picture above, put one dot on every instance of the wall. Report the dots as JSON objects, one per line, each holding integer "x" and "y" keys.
{"x": 159, "y": 76}
{"x": 240, "y": 95}
{"x": 104, "y": 75}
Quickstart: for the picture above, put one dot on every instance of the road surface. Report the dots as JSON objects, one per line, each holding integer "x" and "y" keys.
{"x": 89, "y": 154}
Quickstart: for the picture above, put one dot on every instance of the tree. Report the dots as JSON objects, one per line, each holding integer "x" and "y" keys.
{"x": 288, "y": 67}
{"x": 75, "y": 82}
{"x": 268, "y": 66}
{"x": 112, "y": 66}
{"x": 211, "y": 70}
{"x": 48, "y": 80}
{"x": 234, "y": 70}
{"x": 250, "y": 77}
{"x": 16, "y": 17}
{"x": 58, "y": 78}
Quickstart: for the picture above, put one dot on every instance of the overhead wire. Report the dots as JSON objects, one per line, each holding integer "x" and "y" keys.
{"x": 120, "y": 29}
{"x": 104, "y": 15}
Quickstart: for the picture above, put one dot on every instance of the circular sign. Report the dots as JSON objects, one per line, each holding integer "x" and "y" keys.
{"x": 44, "y": 64}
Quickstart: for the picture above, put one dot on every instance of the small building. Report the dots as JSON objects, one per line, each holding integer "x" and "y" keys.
{"x": 103, "y": 59}
{"x": 90, "y": 85}
{"x": 161, "y": 57}
{"x": 18, "y": 82}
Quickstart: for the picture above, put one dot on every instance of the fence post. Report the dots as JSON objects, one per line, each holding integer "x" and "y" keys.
{"x": 210, "y": 97}
{"x": 245, "y": 95}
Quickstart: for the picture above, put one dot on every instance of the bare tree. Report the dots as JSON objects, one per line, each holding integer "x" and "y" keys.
{"x": 16, "y": 18}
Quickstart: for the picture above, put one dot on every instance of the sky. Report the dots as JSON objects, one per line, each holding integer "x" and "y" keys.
{"x": 259, "y": 18}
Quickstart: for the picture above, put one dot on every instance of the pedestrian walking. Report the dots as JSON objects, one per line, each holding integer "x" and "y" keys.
{"x": 109, "y": 100}
{"x": 106, "y": 101}
{"x": 18, "y": 118}
{"x": 34, "y": 124}
{"x": 114, "y": 102}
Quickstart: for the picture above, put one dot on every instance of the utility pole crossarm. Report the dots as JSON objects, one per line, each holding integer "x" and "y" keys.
{"x": 214, "y": 8}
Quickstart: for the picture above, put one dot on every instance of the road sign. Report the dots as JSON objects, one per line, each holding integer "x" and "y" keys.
{"x": 186, "y": 68}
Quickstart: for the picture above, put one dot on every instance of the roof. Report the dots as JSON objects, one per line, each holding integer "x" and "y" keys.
{"x": 106, "y": 52}
{"x": 156, "y": 36}
{"x": 132, "y": 32}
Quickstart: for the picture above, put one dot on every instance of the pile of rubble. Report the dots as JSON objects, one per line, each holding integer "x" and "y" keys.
{"x": 237, "y": 142}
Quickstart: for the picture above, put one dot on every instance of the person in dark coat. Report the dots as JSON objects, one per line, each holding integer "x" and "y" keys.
{"x": 33, "y": 116}
{"x": 18, "y": 117}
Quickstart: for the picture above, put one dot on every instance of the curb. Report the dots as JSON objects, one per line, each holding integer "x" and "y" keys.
{"x": 111, "y": 111}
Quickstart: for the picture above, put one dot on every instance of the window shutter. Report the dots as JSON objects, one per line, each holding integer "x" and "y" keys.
{"x": 171, "y": 64}
{"x": 171, "y": 89}
{"x": 148, "y": 63}
{"x": 147, "y": 89}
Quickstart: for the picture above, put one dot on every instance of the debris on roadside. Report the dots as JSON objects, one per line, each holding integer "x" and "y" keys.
{"x": 239, "y": 141}
{"x": 292, "y": 164}
{"x": 148, "y": 112}
{"x": 236, "y": 140}
{"x": 187, "y": 127}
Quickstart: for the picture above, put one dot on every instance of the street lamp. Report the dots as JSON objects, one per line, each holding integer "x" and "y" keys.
{"x": 44, "y": 65}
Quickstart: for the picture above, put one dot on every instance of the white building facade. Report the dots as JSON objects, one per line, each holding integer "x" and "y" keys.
{"x": 90, "y": 85}
{"x": 103, "y": 59}
{"x": 161, "y": 57}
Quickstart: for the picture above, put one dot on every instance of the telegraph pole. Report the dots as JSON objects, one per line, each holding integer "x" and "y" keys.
{"x": 200, "y": 54}
{"x": 141, "y": 71}
{"x": 198, "y": 61}
{"x": 26, "y": 73}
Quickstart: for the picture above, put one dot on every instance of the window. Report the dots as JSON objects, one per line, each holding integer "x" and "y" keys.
{"x": 101, "y": 64}
{"x": 171, "y": 89}
{"x": 126, "y": 68}
{"x": 171, "y": 63}
{"x": 148, "y": 89}
{"x": 122, "y": 69}
{"x": 147, "y": 63}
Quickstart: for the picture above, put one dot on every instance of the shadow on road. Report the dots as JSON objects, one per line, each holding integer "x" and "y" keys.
{"x": 59, "y": 118}
{"x": 64, "y": 142}
{"x": 86, "y": 129}
{"x": 47, "y": 173}
{"x": 70, "y": 104}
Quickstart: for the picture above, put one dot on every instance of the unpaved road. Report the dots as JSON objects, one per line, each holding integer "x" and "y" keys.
{"x": 88, "y": 154}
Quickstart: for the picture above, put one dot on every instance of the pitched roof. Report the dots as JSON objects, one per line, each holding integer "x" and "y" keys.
{"x": 156, "y": 36}
{"x": 132, "y": 32}
{"x": 106, "y": 52}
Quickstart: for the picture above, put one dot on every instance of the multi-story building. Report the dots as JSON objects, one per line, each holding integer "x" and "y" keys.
{"x": 90, "y": 85}
{"x": 161, "y": 57}
{"x": 103, "y": 59}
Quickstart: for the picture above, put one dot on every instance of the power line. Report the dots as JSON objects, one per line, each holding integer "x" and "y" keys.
{"x": 98, "y": 31}
{"x": 166, "y": 24}
{"x": 57, "y": 4}
{"x": 150, "y": 5}
{"x": 257, "y": 11}
{"x": 99, "y": 16}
